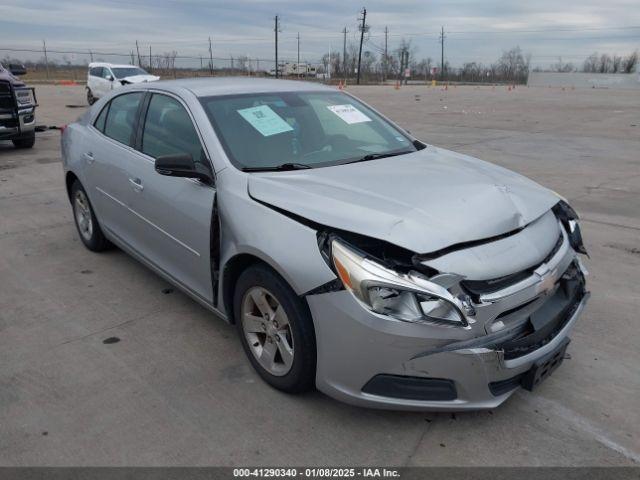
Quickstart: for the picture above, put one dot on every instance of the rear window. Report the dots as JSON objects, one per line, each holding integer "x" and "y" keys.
{"x": 100, "y": 121}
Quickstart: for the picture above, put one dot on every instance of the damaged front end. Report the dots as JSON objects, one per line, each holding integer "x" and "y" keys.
{"x": 512, "y": 329}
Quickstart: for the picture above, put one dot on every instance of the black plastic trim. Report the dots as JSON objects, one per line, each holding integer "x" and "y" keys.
{"x": 503, "y": 386}
{"x": 412, "y": 388}
{"x": 214, "y": 248}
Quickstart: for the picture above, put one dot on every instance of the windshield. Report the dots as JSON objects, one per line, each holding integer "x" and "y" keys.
{"x": 127, "y": 72}
{"x": 304, "y": 129}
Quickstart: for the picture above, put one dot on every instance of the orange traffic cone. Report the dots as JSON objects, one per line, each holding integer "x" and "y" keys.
{"x": 397, "y": 87}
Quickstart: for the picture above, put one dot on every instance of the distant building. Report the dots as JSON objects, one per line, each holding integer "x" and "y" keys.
{"x": 295, "y": 69}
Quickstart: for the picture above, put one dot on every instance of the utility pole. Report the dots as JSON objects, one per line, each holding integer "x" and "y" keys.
{"x": 275, "y": 29}
{"x": 362, "y": 29}
{"x": 406, "y": 65}
{"x": 91, "y": 55}
{"x": 442, "y": 37}
{"x": 138, "y": 50}
{"x": 344, "y": 53}
{"x": 386, "y": 58}
{"x": 150, "y": 61}
{"x": 210, "y": 58}
{"x": 298, "y": 65}
{"x": 46, "y": 59}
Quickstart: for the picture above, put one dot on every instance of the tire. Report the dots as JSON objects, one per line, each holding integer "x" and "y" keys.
{"x": 86, "y": 221}
{"x": 291, "y": 373}
{"x": 25, "y": 142}
{"x": 90, "y": 98}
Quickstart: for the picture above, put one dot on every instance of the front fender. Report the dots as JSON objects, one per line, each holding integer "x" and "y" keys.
{"x": 248, "y": 227}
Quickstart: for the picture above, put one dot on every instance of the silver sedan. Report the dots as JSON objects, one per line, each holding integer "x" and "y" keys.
{"x": 352, "y": 256}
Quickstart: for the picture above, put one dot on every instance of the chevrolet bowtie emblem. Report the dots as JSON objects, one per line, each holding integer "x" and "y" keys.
{"x": 547, "y": 281}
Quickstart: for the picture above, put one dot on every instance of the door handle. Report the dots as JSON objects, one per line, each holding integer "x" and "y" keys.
{"x": 89, "y": 157}
{"x": 136, "y": 183}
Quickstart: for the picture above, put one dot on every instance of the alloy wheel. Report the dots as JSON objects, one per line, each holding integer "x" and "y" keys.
{"x": 83, "y": 215}
{"x": 267, "y": 330}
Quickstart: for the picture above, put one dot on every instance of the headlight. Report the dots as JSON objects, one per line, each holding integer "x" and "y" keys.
{"x": 407, "y": 297}
{"x": 569, "y": 219}
{"x": 25, "y": 97}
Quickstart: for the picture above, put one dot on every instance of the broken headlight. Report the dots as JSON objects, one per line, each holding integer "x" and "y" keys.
{"x": 407, "y": 297}
{"x": 569, "y": 219}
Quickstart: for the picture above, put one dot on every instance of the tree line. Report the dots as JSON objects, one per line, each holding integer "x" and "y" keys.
{"x": 600, "y": 63}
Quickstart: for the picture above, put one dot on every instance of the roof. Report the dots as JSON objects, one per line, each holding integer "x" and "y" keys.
{"x": 211, "y": 86}
{"x": 105, "y": 64}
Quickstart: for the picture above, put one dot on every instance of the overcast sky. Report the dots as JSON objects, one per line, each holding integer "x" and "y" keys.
{"x": 475, "y": 30}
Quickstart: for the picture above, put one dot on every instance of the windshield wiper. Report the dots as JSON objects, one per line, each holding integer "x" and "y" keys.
{"x": 376, "y": 156}
{"x": 278, "y": 168}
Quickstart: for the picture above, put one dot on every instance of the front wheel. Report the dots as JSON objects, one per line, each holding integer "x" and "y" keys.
{"x": 275, "y": 329}
{"x": 25, "y": 142}
{"x": 85, "y": 220}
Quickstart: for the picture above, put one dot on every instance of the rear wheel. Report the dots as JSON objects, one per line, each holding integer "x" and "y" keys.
{"x": 85, "y": 220}
{"x": 275, "y": 329}
{"x": 25, "y": 142}
{"x": 90, "y": 98}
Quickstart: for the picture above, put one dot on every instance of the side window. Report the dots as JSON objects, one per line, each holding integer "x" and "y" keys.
{"x": 121, "y": 117}
{"x": 168, "y": 130}
{"x": 105, "y": 72}
{"x": 96, "y": 72}
{"x": 100, "y": 121}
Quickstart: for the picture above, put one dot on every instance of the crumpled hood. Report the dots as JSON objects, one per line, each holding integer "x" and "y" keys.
{"x": 423, "y": 201}
{"x": 140, "y": 78}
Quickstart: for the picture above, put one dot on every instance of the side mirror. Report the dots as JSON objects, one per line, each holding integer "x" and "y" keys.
{"x": 110, "y": 78}
{"x": 17, "y": 69}
{"x": 181, "y": 165}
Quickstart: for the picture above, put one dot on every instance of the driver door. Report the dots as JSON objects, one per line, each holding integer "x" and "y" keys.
{"x": 106, "y": 81}
{"x": 172, "y": 216}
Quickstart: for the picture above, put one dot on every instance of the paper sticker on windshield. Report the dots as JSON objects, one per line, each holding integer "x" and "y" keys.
{"x": 265, "y": 120}
{"x": 349, "y": 113}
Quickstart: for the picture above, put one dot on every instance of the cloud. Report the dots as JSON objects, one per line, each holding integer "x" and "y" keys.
{"x": 476, "y": 31}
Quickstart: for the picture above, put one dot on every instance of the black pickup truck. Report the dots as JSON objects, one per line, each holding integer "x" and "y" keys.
{"x": 17, "y": 108}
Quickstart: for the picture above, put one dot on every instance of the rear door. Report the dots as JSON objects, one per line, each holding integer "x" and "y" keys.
{"x": 172, "y": 215}
{"x": 108, "y": 155}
